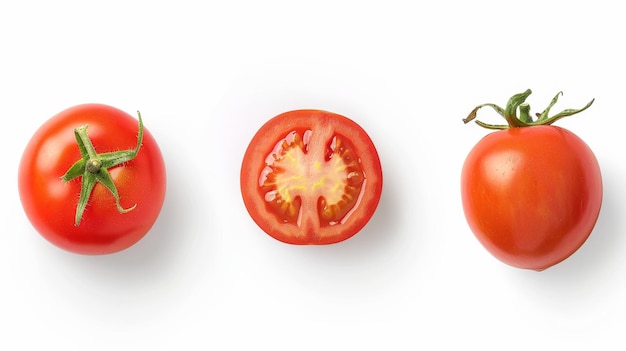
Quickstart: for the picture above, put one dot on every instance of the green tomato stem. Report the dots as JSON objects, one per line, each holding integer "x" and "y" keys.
{"x": 524, "y": 113}
{"x": 518, "y": 102}
{"x": 93, "y": 168}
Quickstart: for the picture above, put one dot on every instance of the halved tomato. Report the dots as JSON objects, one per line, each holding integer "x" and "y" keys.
{"x": 311, "y": 177}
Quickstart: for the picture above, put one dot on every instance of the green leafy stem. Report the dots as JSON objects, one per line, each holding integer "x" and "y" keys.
{"x": 93, "y": 168}
{"x": 518, "y": 101}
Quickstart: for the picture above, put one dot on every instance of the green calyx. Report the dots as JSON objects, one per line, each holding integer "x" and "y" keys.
{"x": 93, "y": 168}
{"x": 518, "y": 102}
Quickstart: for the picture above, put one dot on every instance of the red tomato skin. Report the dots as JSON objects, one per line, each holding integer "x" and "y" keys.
{"x": 531, "y": 195}
{"x": 309, "y": 233}
{"x": 50, "y": 204}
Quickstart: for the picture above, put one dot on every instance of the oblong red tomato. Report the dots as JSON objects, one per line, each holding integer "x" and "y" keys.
{"x": 311, "y": 177}
{"x": 51, "y": 204}
{"x": 531, "y": 194}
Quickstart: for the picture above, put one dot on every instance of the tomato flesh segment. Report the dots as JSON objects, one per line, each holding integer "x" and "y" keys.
{"x": 298, "y": 168}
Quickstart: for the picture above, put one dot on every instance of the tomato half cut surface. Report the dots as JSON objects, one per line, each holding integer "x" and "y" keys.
{"x": 311, "y": 177}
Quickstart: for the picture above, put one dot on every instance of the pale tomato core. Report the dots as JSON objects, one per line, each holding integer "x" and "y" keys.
{"x": 321, "y": 166}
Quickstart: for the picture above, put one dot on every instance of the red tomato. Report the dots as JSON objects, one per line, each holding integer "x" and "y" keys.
{"x": 531, "y": 194}
{"x": 104, "y": 224}
{"x": 311, "y": 177}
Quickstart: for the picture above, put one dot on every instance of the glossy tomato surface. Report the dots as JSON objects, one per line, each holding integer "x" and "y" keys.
{"x": 50, "y": 204}
{"x": 531, "y": 195}
{"x": 311, "y": 177}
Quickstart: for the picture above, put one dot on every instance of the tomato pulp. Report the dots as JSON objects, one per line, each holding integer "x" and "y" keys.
{"x": 311, "y": 177}
{"x": 51, "y": 203}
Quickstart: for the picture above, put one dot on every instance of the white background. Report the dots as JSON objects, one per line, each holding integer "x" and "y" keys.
{"x": 207, "y": 75}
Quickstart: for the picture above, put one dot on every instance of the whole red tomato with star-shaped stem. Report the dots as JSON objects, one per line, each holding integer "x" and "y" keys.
{"x": 92, "y": 180}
